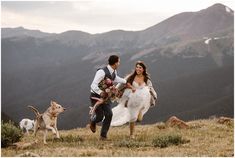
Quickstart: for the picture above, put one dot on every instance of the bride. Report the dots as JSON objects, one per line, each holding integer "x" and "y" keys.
{"x": 136, "y": 101}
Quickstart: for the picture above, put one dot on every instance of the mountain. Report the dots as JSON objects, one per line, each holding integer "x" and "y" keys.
{"x": 191, "y": 25}
{"x": 183, "y": 57}
{"x": 20, "y": 31}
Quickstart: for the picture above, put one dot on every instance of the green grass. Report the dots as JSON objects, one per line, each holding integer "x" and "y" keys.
{"x": 167, "y": 140}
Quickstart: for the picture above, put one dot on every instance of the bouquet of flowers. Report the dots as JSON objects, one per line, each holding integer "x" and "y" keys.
{"x": 110, "y": 92}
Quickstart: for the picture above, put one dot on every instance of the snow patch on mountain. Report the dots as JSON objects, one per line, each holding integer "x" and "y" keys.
{"x": 207, "y": 41}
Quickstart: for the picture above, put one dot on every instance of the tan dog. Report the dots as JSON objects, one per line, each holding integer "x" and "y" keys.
{"x": 47, "y": 120}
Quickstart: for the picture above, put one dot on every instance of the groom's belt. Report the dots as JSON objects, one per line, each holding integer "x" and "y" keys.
{"x": 94, "y": 94}
{"x": 92, "y": 91}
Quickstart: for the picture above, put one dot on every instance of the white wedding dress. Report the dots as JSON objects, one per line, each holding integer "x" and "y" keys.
{"x": 139, "y": 101}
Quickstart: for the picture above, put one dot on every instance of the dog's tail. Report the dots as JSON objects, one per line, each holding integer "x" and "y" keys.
{"x": 34, "y": 110}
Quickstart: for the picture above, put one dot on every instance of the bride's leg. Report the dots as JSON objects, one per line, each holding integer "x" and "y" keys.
{"x": 125, "y": 97}
{"x": 132, "y": 128}
{"x": 140, "y": 117}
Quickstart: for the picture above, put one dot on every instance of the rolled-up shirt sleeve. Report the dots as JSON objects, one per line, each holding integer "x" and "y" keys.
{"x": 120, "y": 85}
{"x": 98, "y": 77}
{"x": 119, "y": 80}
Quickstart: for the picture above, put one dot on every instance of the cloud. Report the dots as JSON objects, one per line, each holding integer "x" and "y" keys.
{"x": 12, "y": 19}
{"x": 95, "y": 16}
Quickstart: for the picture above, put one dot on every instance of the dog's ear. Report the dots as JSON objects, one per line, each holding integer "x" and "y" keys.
{"x": 53, "y": 103}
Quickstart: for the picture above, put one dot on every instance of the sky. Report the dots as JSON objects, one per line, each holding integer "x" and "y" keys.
{"x": 96, "y": 16}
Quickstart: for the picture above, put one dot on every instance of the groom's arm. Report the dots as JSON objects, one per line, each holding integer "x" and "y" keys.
{"x": 121, "y": 85}
{"x": 119, "y": 80}
{"x": 98, "y": 77}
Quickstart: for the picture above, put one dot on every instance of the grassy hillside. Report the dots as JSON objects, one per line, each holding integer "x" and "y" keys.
{"x": 202, "y": 138}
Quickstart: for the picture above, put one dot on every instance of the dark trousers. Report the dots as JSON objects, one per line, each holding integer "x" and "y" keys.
{"x": 103, "y": 112}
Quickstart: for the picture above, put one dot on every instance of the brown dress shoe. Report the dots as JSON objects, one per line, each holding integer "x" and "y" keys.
{"x": 93, "y": 127}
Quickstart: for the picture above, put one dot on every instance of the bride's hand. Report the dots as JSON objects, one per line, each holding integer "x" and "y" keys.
{"x": 128, "y": 85}
{"x": 133, "y": 89}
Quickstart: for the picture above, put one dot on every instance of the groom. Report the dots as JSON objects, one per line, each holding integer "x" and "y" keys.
{"x": 104, "y": 110}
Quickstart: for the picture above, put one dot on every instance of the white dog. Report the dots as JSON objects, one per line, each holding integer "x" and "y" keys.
{"x": 26, "y": 124}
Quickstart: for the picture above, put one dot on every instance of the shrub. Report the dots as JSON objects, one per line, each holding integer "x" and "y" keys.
{"x": 10, "y": 134}
{"x": 165, "y": 141}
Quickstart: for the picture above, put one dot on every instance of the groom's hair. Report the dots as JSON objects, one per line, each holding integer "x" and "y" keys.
{"x": 113, "y": 59}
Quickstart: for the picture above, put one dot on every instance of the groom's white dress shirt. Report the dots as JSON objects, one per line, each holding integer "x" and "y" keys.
{"x": 99, "y": 76}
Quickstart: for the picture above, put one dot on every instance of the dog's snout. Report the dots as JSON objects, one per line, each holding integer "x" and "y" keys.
{"x": 64, "y": 108}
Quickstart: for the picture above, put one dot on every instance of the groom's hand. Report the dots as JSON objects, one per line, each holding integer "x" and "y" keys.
{"x": 128, "y": 85}
{"x": 103, "y": 95}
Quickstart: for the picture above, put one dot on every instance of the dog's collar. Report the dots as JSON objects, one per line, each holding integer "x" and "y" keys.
{"x": 52, "y": 116}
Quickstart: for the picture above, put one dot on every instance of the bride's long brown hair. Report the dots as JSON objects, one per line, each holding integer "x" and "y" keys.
{"x": 131, "y": 77}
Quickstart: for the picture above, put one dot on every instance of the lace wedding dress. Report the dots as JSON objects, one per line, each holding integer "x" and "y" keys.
{"x": 139, "y": 101}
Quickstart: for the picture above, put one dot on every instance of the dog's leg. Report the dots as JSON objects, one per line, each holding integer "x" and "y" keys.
{"x": 57, "y": 133}
{"x": 51, "y": 128}
{"x": 45, "y": 136}
{"x": 35, "y": 128}
{"x": 27, "y": 131}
